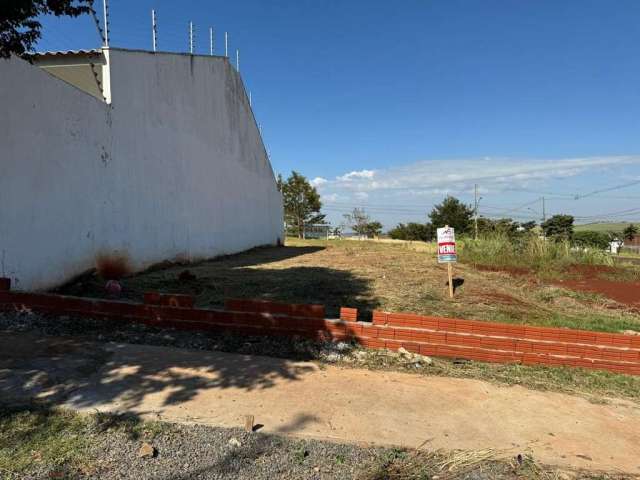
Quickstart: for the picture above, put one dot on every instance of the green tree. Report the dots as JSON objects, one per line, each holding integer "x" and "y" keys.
{"x": 629, "y": 232}
{"x": 374, "y": 229}
{"x": 507, "y": 226}
{"x": 501, "y": 226}
{"x": 528, "y": 226}
{"x": 19, "y": 27}
{"x": 301, "y": 203}
{"x": 361, "y": 223}
{"x": 592, "y": 239}
{"x": 559, "y": 227}
{"x": 413, "y": 231}
{"x": 454, "y": 213}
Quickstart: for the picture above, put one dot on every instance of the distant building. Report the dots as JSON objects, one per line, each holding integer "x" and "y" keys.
{"x": 317, "y": 231}
{"x": 633, "y": 244}
{"x": 127, "y": 154}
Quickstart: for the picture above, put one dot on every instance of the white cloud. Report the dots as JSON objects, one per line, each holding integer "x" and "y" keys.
{"x": 408, "y": 192}
{"x": 437, "y": 178}
{"x": 347, "y": 177}
{"x": 449, "y": 176}
{"x": 332, "y": 197}
{"x": 318, "y": 181}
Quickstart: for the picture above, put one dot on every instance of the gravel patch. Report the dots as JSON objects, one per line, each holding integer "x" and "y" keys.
{"x": 294, "y": 348}
{"x": 203, "y": 452}
{"x": 199, "y": 452}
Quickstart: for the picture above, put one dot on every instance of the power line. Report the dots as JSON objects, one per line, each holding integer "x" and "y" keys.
{"x": 608, "y": 189}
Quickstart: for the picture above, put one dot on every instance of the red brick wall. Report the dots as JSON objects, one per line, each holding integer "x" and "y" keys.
{"x": 434, "y": 336}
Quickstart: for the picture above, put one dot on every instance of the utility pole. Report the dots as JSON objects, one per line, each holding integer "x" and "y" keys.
{"x": 544, "y": 211}
{"x": 211, "y": 41}
{"x": 226, "y": 44}
{"x": 238, "y": 60}
{"x": 301, "y": 219}
{"x": 475, "y": 210}
{"x": 154, "y": 30}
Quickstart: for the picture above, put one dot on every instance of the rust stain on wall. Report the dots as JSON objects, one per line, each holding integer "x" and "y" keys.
{"x": 113, "y": 266}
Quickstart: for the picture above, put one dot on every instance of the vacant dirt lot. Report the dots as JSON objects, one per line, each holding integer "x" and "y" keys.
{"x": 378, "y": 275}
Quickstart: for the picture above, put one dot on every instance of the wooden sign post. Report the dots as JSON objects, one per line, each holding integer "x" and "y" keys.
{"x": 447, "y": 252}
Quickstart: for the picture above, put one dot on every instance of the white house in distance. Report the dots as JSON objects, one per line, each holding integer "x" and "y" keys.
{"x": 139, "y": 155}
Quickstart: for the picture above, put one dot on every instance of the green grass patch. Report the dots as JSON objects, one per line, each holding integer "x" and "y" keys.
{"x": 529, "y": 253}
{"x": 594, "y": 322}
{"x": 601, "y": 227}
{"x": 60, "y": 441}
{"x": 54, "y": 438}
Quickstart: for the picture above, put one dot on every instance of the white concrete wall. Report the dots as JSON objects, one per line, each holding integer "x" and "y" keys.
{"x": 174, "y": 167}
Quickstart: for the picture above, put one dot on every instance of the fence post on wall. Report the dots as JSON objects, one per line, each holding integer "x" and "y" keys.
{"x": 191, "y": 38}
{"x": 105, "y": 12}
{"x": 154, "y": 30}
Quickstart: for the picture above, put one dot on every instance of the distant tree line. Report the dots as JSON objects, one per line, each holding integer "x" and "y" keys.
{"x": 460, "y": 216}
{"x": 456, "y": 214}
{"x": 302, "y": 207}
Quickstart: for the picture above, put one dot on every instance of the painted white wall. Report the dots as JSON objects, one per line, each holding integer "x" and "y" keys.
{"x": 173, "y": 167}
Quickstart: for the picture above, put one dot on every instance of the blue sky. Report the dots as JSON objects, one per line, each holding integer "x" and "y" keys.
{"x": 392, "y": 105}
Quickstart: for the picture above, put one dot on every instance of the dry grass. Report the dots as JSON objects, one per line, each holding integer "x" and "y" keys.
{"x": 464, "y": 464}
{"x": 393, "y": 276}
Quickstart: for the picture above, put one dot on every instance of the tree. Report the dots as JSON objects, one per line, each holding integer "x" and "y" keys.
{"x": 301, "y": 203}
{"x": 593, "y": 239}
{"x": 374, "y": 229}
{"x": 558, "y": 227}
{"x": 359, "y": 222}
{"x": 503, "y": 226}
{"x": 506, "y": 226}
{"x": 630, "y": 232}
{"x": 19, "y": 27}
{"x": 454, "y": 213}
{"x": 528, "y": 226}
{"x": 413, "y": 231}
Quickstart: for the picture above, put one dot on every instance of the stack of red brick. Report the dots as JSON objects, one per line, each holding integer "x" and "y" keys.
{"x": 434, "y": 336}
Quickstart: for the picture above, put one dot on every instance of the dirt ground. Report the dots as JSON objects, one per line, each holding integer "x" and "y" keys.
{"x": 604, "y": 281}
{"x": 306, "y": 400}
{"x": 379, "y": 275}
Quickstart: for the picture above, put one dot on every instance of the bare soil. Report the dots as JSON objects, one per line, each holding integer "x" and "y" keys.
{"x": 601, "y": 279}
{"x": 373, "y": 276}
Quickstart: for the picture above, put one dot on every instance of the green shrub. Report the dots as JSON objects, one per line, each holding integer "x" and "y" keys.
{"x": 529, "y": 251}
{"x": 413, "y": 231}
{"x": 591, "y": 239}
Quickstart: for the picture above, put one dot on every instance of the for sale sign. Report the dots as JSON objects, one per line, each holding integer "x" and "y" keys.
{"x": 447, "y": 245}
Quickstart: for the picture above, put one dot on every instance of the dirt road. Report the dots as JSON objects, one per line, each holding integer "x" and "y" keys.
{"x": 303, "y": 399}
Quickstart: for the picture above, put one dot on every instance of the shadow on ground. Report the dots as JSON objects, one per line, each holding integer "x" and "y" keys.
{"x": 86, "y": 375}
{"x": 246, "y": 275}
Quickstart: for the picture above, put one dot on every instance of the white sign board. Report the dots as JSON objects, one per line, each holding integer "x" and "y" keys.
{"x": 447, "y": 245}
